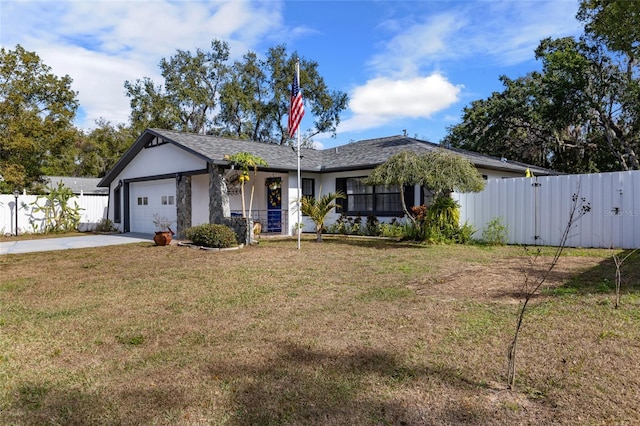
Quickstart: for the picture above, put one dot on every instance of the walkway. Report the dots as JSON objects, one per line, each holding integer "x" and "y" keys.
{"x": 64, "y": 243}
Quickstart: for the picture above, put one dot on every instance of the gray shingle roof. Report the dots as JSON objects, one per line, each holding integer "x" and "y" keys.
{"x": 84, "y": 185}
{"x": 360, "y": 155}
{"x": 213, "y": 149}
{"x": 372, "y": 152}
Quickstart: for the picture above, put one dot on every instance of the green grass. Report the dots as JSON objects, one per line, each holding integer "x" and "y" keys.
{"x": 350, "y": 331}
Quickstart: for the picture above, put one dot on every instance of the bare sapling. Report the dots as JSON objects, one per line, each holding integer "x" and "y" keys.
{"x": 532, "y": 284}
{"x": 618, "y": 261}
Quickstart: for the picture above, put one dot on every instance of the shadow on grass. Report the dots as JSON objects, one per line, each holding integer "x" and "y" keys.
{"x": 302, "y": 385}
{"x": 295, "y": 385}
{"x": 39, "y": 404}
{"x": 376, "y": 243}
{"x": 602, "y": 278}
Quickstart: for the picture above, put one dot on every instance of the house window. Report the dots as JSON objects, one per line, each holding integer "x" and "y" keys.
{"x": 116, "y": 204}
{"x": 378, "y": 200}
{"x": 143, "y": 201}
{"x": 168, "y": 200}
{"x": 308, "y": 187}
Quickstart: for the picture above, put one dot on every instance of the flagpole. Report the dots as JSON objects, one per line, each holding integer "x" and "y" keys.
{"x": 298, "y": 229}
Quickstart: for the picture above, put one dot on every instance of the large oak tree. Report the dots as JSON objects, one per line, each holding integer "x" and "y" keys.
{"x": 189, "y": 96}
{"x": 37, "y": 109}
{"x": 580, "y": 113}
{"x": 99, "y": 149}
{"x": 248, "y": 99}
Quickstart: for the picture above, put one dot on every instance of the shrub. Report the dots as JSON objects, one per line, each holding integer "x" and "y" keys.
{"x": 373, "y": 226}
{"x": 59, "y": 214}
{"x": 418, "y": 231}
{"x": 346, "y": 225}
{"x": 465, "y": 233}
{"x": 419, "y": 213}
{"x": 340, "y": 227}
{"x": 212, "y": 235}
{"x": 105, "y": 225}
{"x": 444, "y": 215}
{"x": 495, "y": 232}
{"x": 394, "y": 229}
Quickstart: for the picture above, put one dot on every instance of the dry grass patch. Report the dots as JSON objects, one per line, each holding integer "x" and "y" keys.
{"x": 343, "y": 332}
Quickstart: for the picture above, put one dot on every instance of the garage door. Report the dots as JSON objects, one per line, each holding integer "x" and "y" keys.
{"x": 149, "y": 198}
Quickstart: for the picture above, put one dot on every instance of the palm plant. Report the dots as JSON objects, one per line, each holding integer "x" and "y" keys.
{"x": 246, "y": 161}
{"x": 318, "y": 209}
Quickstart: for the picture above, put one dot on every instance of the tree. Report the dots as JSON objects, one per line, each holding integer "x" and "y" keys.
{"x": 246, "y": 161}
{"x": 446, "y": 172}
{"x": 244, "y": 112}
{"x": 188, "y": 99}
{"x": 402, "y": 169}
{"x": 614, "y": 22}
{"x": 255, "y": 100}
{"x": 581, "y": 113}
{"x": 589, "y": 89}
{"x": 250, "y": 99}
{"x": 99, "y": 150}
{"x": 531, "y": 285}
{"x": 618, "y": 260}
{"x": 324, "y": 105}
{"x": 37, "y": 109}
{"x": 439, "y": 171}
{"x": 318, "y": 209}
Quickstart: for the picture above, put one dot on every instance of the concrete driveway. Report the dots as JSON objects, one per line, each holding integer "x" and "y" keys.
{"x": 85, "y": 241}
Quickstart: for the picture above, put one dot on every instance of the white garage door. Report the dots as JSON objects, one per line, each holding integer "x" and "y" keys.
{"x": 149, "y": 198}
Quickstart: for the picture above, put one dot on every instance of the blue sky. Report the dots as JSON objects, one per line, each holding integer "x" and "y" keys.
{"x": 405, "y": 65}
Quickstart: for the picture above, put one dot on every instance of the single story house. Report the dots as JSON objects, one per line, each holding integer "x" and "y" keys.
{"x": 185, "y": 178}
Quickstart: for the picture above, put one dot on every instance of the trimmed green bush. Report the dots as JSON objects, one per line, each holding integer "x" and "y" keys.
{"x": 212, "y": 235}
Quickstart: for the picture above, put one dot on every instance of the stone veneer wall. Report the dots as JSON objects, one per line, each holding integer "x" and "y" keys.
{"x": 183, "y": 204}
{"x": 218, "y": 202}
{"x": 219, "y": 210}
{"x": 242, "y": 227}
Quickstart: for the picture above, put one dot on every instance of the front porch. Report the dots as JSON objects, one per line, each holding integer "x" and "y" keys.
{"x": 271, "y": 221}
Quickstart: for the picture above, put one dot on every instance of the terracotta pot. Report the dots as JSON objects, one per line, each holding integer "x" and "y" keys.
{"x": 162, "y": 238}
{"x": 257, "y": 228}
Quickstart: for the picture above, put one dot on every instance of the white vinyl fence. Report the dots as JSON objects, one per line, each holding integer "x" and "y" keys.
{"x": 94, "y": 208}
{"x": 536, "y": 210}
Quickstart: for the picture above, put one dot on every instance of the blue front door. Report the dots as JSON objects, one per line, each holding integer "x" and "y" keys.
{"x": 274, "y": 204}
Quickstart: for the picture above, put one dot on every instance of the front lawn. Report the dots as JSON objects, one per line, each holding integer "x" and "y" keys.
{"x": 349, "y": 331}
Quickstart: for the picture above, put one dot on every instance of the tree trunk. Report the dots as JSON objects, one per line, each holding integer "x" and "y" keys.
{"x": 251, "y": 199}
{"x": 404, "y": 205}
{"x": 244, "y": 214}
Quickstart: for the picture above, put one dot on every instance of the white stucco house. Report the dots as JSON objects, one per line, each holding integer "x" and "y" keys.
{"x": 184, "y": 177}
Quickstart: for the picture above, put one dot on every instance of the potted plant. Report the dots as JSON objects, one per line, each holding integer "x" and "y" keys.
{"x": 164, "y": 232}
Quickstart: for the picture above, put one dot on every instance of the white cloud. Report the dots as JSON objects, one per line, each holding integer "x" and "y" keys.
{"x": 383, "y": 100}
{"x": 496, "y": 32}
{"x": 100, "y": 44}
{"x": 416, "y": 44}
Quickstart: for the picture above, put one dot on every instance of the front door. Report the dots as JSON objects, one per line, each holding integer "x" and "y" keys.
{"x": 274, "y": 204}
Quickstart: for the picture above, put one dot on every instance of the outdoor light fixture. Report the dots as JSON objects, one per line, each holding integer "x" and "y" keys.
{"x": 16, "y": 193}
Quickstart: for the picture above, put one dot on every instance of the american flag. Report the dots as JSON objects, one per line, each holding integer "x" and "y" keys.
{"x": 296, "y": 110}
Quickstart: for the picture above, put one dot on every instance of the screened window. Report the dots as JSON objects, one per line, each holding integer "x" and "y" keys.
{"x": 116, "y": 204}
{"x": 308, "y": 187}
{"x": 379, "y": 200}
{"x": 359, "y": 196}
